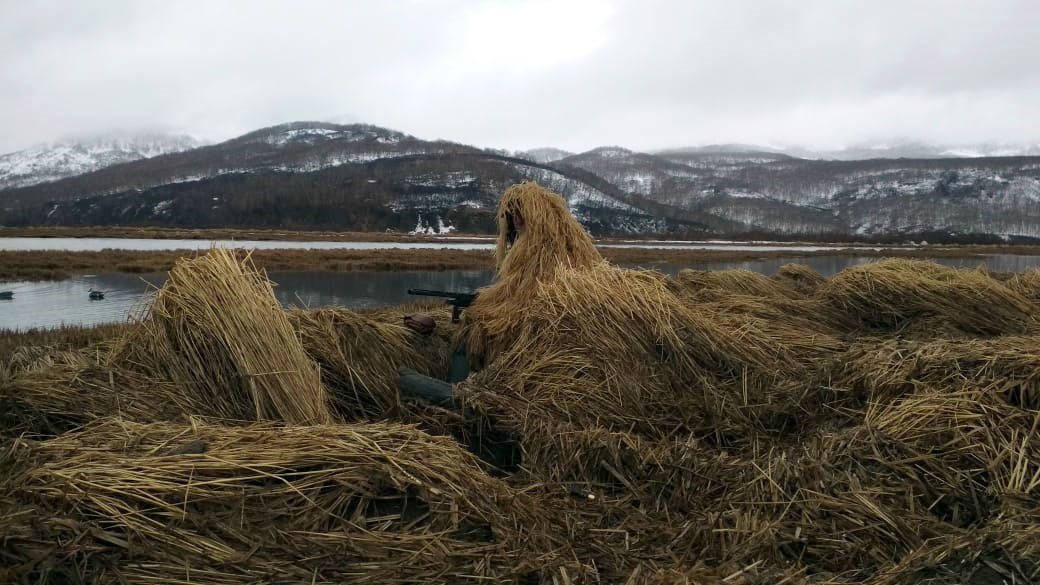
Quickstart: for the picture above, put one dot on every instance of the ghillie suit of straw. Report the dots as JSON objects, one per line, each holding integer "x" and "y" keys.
{"x": 552, "y": 241}
{"x": 570, "y": 345}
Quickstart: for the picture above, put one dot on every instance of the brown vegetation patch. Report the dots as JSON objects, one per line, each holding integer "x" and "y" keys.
{"x": 880, "y": 427}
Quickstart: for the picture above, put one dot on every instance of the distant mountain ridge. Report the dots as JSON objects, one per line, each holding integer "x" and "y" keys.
{"x": 867, "y": 151}
{"x": 308, "y": 175}
{"x": 544, "y": 155}
{"x": 50, "y": 162}
{"x": 315, "y": 174}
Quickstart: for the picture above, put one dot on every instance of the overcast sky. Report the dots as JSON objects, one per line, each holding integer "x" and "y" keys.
{"x": 519, "y": 74}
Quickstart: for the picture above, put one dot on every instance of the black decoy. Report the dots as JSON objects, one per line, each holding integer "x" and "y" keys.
{"x": 6, "y": 294}
{"x": 96, "y": 295}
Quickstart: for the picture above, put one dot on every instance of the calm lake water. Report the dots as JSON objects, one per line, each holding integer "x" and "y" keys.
{"x": 54, "y": 303}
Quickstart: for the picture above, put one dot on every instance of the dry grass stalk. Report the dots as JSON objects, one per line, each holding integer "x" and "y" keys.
{"x": 217, "y": 329}
{"x": 1026, "y": 284}
{"x": 892, "y": 292}
{"x": 80, "y": 389}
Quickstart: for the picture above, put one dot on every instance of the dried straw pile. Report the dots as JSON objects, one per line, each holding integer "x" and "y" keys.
{"x": 1026, "y": 284}
{"x": 77, "y": 389}
{"x": 891, "y": 293}
{"x": 217, "y": 329}
{"x": 741, "y": 299}
{"x": 1008, "y": 366}
{"x": 359, "y": 355}
{"x": 713, "y": 284}
{"x": 199, "y": 503}
{"x": 879, "y": 427}
{"x": 800, "y": 278}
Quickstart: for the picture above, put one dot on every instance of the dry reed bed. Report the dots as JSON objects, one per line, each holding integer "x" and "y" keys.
{"x": 877, "y": 427}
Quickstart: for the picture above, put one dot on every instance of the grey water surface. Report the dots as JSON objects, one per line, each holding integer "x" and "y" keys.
{"x": 66, "y": 302}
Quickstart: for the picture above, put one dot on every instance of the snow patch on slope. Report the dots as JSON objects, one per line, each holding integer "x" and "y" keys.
{"x": 50, "y": 162}
{"x": 296, "y": 134}
{"x": 576, "y": 193}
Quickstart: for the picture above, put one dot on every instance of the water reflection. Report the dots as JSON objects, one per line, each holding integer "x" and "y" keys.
{"x": 54, "y": 303}
{"x": 67, "y": 302}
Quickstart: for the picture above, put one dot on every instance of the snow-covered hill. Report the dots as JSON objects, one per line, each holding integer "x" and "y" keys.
{"x": 361, "y": 177}
{"x": 876, "y": 198}
{"x": 50, "y": 162}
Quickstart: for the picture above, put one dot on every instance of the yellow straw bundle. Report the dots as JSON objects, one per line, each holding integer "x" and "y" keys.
{"x": 217, "y": 329}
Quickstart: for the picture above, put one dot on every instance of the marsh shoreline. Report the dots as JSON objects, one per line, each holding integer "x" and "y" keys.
{"x": 57, "y": 265}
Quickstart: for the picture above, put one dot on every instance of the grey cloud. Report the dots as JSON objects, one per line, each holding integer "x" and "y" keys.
{"x": 517, "y": 74}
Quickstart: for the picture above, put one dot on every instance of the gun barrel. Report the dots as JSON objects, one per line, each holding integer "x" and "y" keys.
{"x": 458, "y": 298}
{"x": 431, "y": 293}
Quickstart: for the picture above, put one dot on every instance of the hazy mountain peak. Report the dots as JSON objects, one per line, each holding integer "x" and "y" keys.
{"x": 316, "y": 132}
{"x": 610, "y": 152}
{"x": 905, "y": 148}
{"x": 57, "y": 160}
{"x": 727, "y": 148}
{"x": 545, "y": 154}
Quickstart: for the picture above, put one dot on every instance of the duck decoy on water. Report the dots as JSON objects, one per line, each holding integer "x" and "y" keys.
{"x": 6, "y": 294}
{"x": 96, "y": 295}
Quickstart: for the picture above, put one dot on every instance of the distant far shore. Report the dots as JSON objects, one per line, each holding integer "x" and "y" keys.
{"x": 300, "y": 235}
{"x": 61, "y": 264}
{"x": 287, "y": 235}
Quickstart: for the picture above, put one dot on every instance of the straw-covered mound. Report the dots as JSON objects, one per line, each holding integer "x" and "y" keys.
{"x": 216, "y": 328}
{"x": 881, "y": 427}
{"x": 1026, "y": 284}
{"x": 710, "y": 285}
{"x": 76, "y": 390}
{"x": 359, "y": 355}
{"x": 1008, "y": 366}
{"x": 374, "y": 503}
{"x": 800, "y": 278}
{"x": 892, "y": 293}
